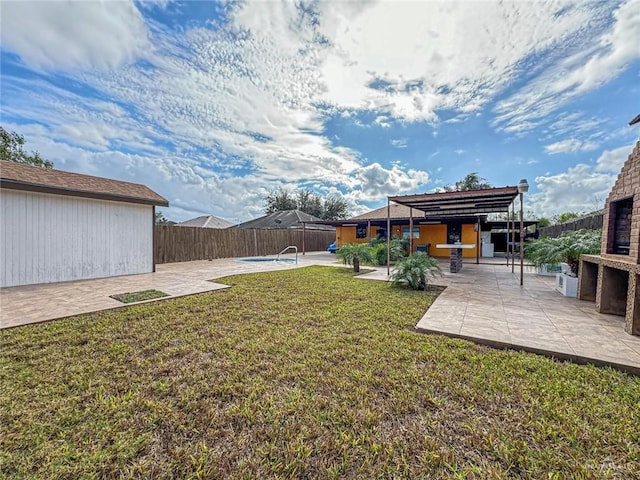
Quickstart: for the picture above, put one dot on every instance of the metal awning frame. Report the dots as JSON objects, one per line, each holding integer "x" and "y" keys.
{"x": 469, "y": 203}
{"x": 452, "y": 204}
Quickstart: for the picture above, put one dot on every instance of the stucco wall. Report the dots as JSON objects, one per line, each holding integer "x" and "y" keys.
{"x": 433, "y": 234}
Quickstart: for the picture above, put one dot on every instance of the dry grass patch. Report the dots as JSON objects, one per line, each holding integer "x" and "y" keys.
{"x": 304, "y": 373}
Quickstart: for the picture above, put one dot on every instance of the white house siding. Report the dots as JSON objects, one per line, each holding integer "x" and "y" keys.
{"x": 54, "y": 238}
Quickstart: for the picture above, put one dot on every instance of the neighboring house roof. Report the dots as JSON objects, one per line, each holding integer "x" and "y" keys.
{"x": 206, "y": 221}
{"x": 17, "y": 176}
{"x": 285, "y": 219}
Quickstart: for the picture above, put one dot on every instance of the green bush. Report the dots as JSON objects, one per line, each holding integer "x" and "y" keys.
{"x": 416, "y": 271}
{"x": 566, "y": 248}
{"x": 355, "y": 254}
{"x": 379, "y": 250}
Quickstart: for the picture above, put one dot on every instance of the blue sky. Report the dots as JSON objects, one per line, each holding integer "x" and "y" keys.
{"x": 215, "y": 104}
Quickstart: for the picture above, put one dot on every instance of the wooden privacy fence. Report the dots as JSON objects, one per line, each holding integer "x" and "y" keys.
{"x": 184, "y": 244}
{"x": 591, "y": 222}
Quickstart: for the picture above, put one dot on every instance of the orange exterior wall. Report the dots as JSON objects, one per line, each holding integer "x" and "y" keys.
{"x": 469, "y": 235}
{"x": 348, "y": 235}
{"x": 432, "y": 234}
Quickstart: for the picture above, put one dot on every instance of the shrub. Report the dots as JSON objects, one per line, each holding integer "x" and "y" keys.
{"x": 379, "y": 250}
{"x": 566, "y": 248}
{"x": 355, "y": 253}
{"x": 416, "y": 271}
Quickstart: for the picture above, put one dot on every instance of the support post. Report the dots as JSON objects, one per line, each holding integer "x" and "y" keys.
{"x": 410, "y": 230}
{"x": 521, "y": 239}
{"x": 513, "y": 236}
{"x": 153, "y": 239}
{"x": 388, "y": 237}
{"x": 478, "y": 242}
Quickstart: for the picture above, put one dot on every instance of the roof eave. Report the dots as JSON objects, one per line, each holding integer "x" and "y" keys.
{"x": 32, "y": 187}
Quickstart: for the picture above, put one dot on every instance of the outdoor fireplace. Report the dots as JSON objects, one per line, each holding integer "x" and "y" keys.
{"x": 612, "y": 279}
{"x": 619, "y": 231}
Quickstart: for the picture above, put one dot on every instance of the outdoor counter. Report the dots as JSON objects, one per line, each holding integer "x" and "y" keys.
{"x": 456, "y": 254}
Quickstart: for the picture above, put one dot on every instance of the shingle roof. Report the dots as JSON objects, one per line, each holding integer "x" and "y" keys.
{"x": 395, "y": 211}
{"x": 285, "y": 219}
{"x": 17, "y": 176}
{"x": 206, "y": 221}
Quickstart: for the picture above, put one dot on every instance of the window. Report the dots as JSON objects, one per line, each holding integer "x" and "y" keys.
{"x": 416, "y": 232}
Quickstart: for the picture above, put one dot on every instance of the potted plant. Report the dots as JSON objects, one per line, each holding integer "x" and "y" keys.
{"x": 566, "y": 248}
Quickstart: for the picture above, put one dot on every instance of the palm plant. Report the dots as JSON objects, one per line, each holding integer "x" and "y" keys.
{"x": 566, "y": 248}
{"x": 416, "y": 271}
{"x": 355, "y": 253}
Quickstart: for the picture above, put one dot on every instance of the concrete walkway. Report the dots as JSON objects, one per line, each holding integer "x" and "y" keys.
{"x": 39, "y": 303}
{"x": 483, "y": 303}
{"x": 486, "y": 304}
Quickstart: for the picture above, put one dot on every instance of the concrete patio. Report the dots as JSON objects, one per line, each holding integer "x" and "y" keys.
{"x": 483, "y": 303}
{"x": 486, "y": 304}
{"x": 38, "y": 303}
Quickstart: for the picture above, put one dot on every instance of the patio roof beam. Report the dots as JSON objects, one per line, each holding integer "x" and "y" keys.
{"x": 472, "y": 202}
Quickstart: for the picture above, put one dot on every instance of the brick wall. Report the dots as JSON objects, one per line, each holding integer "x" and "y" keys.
{"x": 627, "y": 186}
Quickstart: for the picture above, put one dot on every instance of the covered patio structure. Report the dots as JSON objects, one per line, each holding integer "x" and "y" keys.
{"x": 457, "y": 207}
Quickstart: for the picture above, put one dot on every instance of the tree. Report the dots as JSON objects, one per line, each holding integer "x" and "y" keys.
{"x": 470, "y": 182}
{"x": 564, "y": 217}
{"x": 355, "y": 253}
{"x": 310, "y": 203}
{"x": 543, "y": 222}
{"x": 331, "y": 208}
{"x": 161, "y": 219}
{"x": 12, "y": 149}
{"x": 278, "y": 200}
{"x": 334, "y": 208}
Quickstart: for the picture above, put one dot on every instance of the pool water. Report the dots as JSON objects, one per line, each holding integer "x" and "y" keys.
{"x": 266, "y": 259}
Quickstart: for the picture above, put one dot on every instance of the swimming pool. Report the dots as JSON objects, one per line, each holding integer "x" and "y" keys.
{"x": 267, "y": 259}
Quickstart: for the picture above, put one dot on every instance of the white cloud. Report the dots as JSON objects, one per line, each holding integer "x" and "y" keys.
{"x": 382, "y": 121}
{"x": 570, "y": 145}
{"x": 612, "y": 160}
{"x": 599, "y": 60}
{"x": 399, "y": 142}
{"x": 573, "y": 123}
{"x": 73, "y": 35}
{"x": 375, "y": 182}
{"x": 434, "y": 55}
{"x": 579, "y": 189}
{"x": 218, "y": 115}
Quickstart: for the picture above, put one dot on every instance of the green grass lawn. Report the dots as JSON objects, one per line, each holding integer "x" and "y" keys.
{"x": 131, "y": 297}
{"x": 305, "y": 373}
